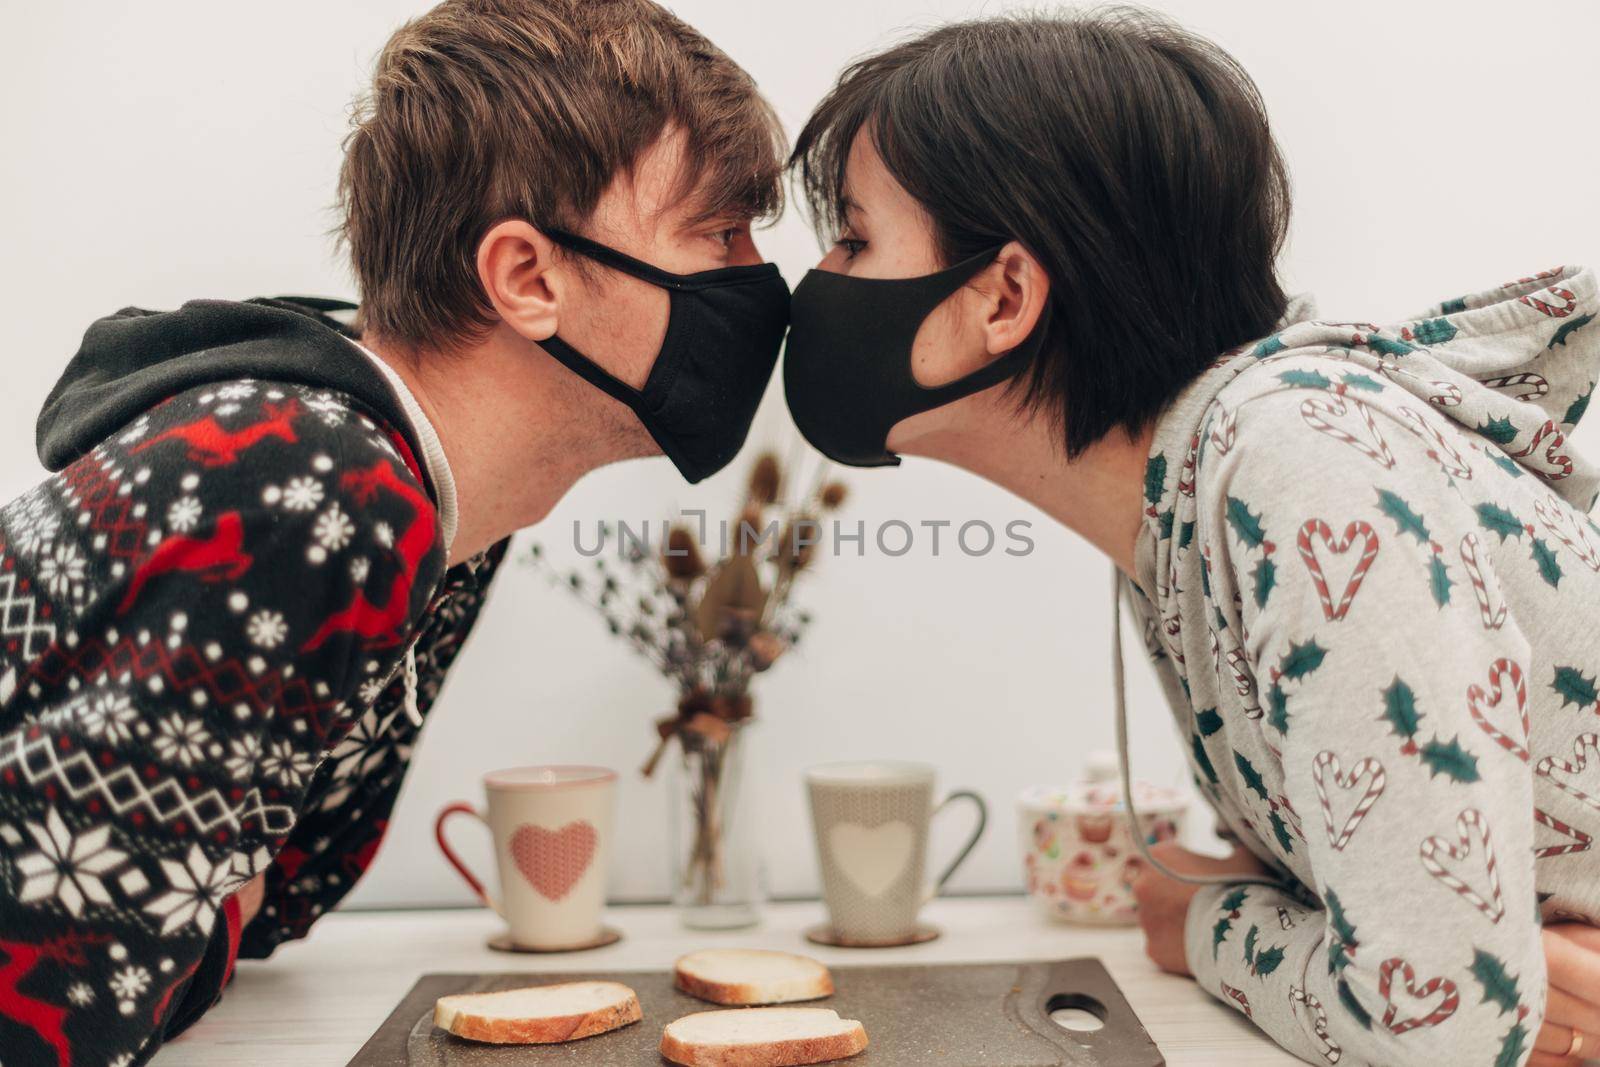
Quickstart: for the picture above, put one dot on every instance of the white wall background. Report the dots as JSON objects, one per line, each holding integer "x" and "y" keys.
{"x": 153, "y": 153}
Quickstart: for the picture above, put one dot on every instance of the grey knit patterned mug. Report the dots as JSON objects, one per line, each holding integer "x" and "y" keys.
{"x": 871, "y": 820}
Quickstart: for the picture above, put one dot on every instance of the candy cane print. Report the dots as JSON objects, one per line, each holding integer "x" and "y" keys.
{"x": 1567, "y": 529}
{"x": 1356, "y": 528}
{"x": 1555, "y": 292}
{"x": 1479, "y": 698}
{"x": 1243, "y": 684}
{"x": 1319, "y": 1021}
{"x": 1577, "y": 840}
{"x": 1441, "y": 450}
{"x": 1238, "y": 997}
{"x": 1439, "y": 984}
{"x": 1579, "y": 763}
{"x": 1553, "y": 272}
{"x": 1186, "y": 473}
{"x": 1560, "y": 464}
{"x": 1493, "y": 615}
{"x": 1227, "y": 426}
{"x": 1324, "y": 761}
{"x": 1536, "y": 385}
{"x": 1469, "y": 821}
{"x": 1314, "y": 410}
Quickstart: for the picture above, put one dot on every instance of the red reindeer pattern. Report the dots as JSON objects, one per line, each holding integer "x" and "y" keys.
{"x": 212, "y": 446}
{"x": 40, "y": 1016}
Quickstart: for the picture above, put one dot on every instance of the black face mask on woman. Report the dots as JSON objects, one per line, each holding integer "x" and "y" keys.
{"x": 847, "y": 368}
{"x": 724, "y": 329}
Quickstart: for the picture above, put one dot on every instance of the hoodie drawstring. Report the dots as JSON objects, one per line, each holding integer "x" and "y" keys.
{"x": 411, "y": 686}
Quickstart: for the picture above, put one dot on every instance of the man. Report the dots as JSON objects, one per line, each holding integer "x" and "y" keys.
{"x": 226, "y": 615}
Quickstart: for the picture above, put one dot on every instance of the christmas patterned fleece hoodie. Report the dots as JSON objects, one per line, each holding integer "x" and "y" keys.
{"x": 204, "y": 615}
{"x": 1371, "y": 590}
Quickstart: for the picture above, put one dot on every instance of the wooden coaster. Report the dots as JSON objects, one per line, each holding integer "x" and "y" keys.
{"x": 823, "y": 934}
{"x": 502, "y": 942}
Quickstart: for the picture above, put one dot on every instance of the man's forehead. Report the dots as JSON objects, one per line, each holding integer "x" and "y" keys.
{"x": 665, "y": 191}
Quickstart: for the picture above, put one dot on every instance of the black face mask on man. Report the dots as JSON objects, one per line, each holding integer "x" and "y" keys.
{"x": 847, "y": 368}
{"x": 724, "y": 329}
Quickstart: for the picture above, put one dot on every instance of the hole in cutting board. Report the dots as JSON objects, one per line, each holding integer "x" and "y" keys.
{"x": 1077, "y": 1012}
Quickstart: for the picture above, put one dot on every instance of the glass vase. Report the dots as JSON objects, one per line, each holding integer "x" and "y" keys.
{"x": 717, "y": 874}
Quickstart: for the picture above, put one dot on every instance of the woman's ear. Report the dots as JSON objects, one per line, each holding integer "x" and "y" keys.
{"x": 517, "y": 269}
{"x": 1018, "y": 290}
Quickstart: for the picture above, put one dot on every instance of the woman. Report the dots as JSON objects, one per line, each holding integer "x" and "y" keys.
{"x": 1360, "y": 553}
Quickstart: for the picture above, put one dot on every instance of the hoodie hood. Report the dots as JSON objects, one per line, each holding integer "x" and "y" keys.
{"x": 1514, "y": 365}
{"x": 133, "y": 360}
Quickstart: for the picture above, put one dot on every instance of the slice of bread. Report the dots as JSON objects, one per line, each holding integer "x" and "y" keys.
{"x": 751, "y": 976}
{"x": 761, "y": 1037}
{"x": 538, "y": 1015}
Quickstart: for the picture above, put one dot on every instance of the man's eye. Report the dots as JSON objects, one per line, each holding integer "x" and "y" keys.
{"x": 852, "y": 246}
{"x": 726, "y": 237}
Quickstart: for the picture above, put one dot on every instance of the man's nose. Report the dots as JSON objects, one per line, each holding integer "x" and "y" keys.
{"x": 744, "y": 252}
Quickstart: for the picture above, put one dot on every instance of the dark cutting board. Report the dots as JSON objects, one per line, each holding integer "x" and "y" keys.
{"x": 949, "y": 1015}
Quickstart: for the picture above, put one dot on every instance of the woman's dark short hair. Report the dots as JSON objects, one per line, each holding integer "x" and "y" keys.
{"x": 1132, "y": 158}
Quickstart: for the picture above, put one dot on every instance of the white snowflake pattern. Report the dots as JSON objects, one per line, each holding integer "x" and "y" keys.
{"x": 360, "y": 567}
{"x": 34, "y": 529}
{"x": 80, "y": 994}
{"x": 244, "y": 753}
{"x": 267, "y": 629}
{"x": 62, "y": 572}
{"x": 302, "y": 494}
{"x": 182, "y": 740}
{"x": 331, "y": 411}
{"x": 371, "y": 689}
{"x": 385, "y": 534}
{"x": 124, "y": 1060}
{"x": 109, "y": 717}
{"x": 184, "y": 514}
{"x": 136, "y": 431}
{"x": 286, "y": 763}
{"x": 198, "y": 888}
{"x": 237, "y": 391}
{"x": 333, "y": 528}
{"x": 130, "y": 983}
{"x": 227, "y": 409}
{"x": 68, "y": 867}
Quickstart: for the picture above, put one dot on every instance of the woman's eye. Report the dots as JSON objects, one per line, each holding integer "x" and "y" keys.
{"x": 852, "y": 246}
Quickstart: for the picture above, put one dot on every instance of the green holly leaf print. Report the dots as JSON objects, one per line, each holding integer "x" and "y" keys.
{"x": 1278, "y": 709}
{"x": 1208, "y": 721}
{"x": 1450, "y": 307}
{"x": 1507, "y": 464}
{"x": 1450, "y": 759}
{"x": 1219, "y": 934}
{"x": 1362, "y": 381}
{"x": 1500, "y": 430}
{"x": 1575, "y": 687}
{"x": 1267, "y": 961}
{"x": 1280, "y": 830}
{"x": 1353, "y": 1006}
{"x": 1498, "y": 985}
{"x": 1549, "y": 566}
{"x": 1512, "y": 1047}
{"x": 1439, "y": 582}
{"x": 1386, "y": 346}
{"x": 1567, "y": 329}
{"x": 1265, "y": 574}
{"x": 1343, "y": 944}
{"x": 1250, "y": 943}
{"x": 1186, "y": 534}
{"x": 1155, "y": 477}
{"x": 1235, "y": 899}
{"x": 1400, "y": 708}
{"x": 1269, "y": 347}
{"x": 1252, "y": 779}
{"x": 1245, "y": 523}
{"x": 1576, "y": 409}
{"x": 1305, "y": 379}
{"x": 1434, "y": 331}
{"x": 1202, "y": 760}
{"x": 1498, "y": 520}
{"x": 1405, "y": 520}
{"x": 1164, "y": 522}
{"x": 1301, "y": 660}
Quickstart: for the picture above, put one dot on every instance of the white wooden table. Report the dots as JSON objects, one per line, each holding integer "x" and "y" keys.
{"x": 317, "y": 1001}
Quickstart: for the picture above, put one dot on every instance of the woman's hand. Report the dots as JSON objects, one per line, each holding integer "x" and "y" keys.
{"x": 1164, "y": 903}
{"x": 1572, "y": 964}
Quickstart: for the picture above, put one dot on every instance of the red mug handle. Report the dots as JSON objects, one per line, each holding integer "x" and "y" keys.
{"x": 459, "y": 808}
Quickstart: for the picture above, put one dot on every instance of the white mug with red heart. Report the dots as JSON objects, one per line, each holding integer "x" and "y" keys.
{"x": 552, "y": 840}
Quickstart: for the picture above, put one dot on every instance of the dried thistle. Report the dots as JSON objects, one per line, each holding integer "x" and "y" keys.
{"x": 766, "y": 480}
{"x": 833, "y": 495}
{"x": 680, "y": 557}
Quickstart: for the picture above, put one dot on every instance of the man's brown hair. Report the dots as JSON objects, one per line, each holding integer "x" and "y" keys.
{"x": 482, "y": 110}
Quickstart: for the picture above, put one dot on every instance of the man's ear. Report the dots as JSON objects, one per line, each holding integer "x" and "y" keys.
{"x": 518, "y": 272}
{"x": 1019, "y": 291}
